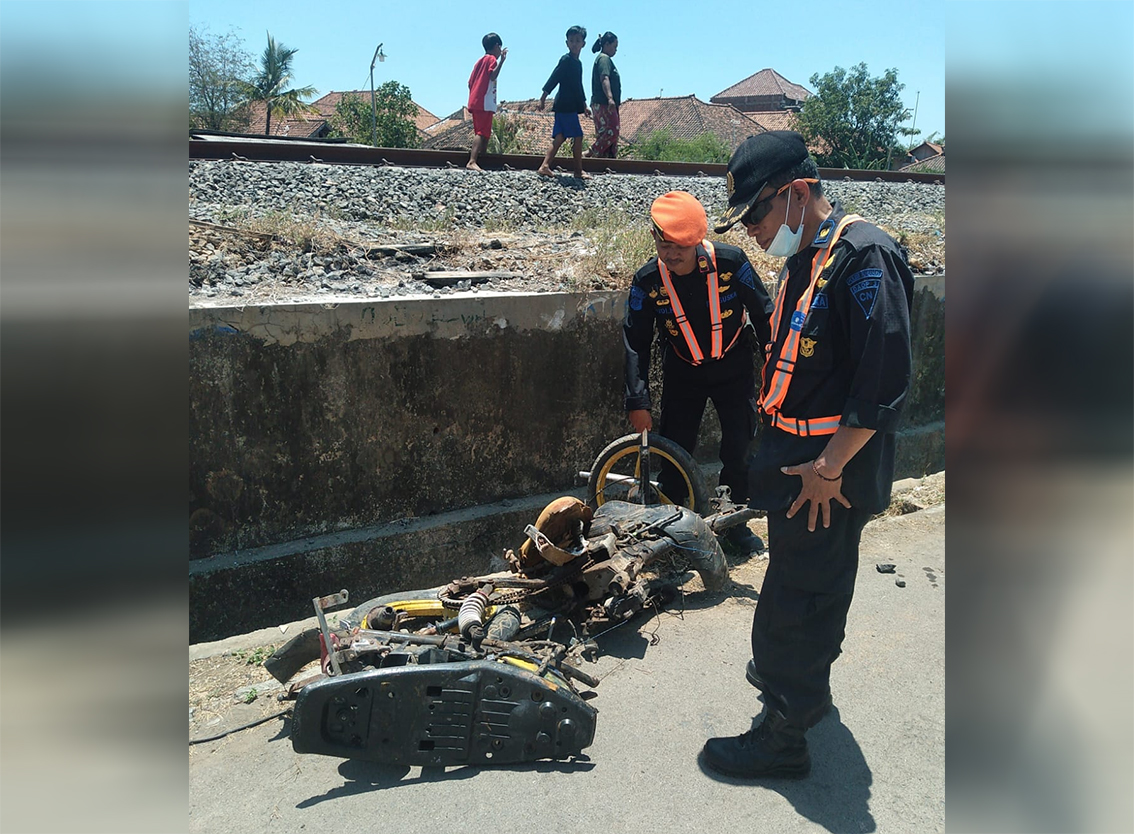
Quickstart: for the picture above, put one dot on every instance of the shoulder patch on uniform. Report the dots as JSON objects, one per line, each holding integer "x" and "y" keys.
{"x": 637, "y": 297}
{"x": 824, "y": 232}
{"x": 746, "y": 276}
{"x": 864, "y": 286}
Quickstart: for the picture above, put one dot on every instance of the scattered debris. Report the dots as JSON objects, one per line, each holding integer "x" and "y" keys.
{"x": 467, "y": 664}
{"x": 440, "y": 278}
{"x": 885, "y": 568}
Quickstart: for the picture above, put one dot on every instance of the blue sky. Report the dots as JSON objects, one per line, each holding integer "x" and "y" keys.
{"x": 664, "y": 47}
{"x": 1067, "y": 65}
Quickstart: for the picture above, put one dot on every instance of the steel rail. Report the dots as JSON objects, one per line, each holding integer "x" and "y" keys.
{"x": 270, "y": 150}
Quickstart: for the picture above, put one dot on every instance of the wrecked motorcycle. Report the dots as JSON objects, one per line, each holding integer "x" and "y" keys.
{"x": 484, "y": 670}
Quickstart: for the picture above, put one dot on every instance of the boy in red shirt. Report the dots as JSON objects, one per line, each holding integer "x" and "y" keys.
{"x": 482, "y": 94}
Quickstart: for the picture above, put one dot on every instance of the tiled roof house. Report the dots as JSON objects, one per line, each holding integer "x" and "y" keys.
{"x": 764, "y": 91}
{"x": 329, "y": 102}
{"x": 317, "y": 124}
{"x": 929, "y": 165}
{"x": 686, "y": 117}
{"x": 926, "y": 150}
{"x": 301, "y": 126}
{"x": 455, "y": 131}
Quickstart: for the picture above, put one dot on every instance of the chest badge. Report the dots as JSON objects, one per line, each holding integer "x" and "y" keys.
{"x": 807, "y": 347}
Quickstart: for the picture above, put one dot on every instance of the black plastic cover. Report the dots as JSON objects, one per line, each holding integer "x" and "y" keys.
{"x": 472, "y": 712}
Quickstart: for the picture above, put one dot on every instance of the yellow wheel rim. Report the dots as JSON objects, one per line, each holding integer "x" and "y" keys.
{"x": 600, "y": 497}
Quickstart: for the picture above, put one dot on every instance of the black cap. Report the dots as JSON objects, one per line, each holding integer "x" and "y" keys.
{"x": 758, "y": 159}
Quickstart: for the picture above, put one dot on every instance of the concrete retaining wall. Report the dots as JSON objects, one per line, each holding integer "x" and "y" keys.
{"x": 331, "y": 445}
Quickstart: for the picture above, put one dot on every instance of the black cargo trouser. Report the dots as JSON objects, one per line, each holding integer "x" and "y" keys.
{"x": 800, "y": 619}
{"x": 684, "y": 394}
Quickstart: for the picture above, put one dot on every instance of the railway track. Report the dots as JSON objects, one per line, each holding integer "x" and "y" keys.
{"x": 206, "y": 145}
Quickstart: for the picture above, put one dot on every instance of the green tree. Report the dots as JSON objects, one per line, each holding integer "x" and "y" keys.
{"x": 270, "y": 84}
{"x": 506, "y": 135}
{"x": 219, "y": 69}
{"x": 662, "y": 145}
{"x": 354, "y": 117}
{"x": 853, "y": 120}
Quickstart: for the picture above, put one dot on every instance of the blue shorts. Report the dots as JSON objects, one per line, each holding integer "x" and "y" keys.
{"x": 566, "y": 125}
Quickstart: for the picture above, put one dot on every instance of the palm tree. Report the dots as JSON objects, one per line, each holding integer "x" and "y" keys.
{"x": 270, "y": 82}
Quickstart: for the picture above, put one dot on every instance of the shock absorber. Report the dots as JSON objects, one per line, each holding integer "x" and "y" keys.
{"x": 471, "y": 613}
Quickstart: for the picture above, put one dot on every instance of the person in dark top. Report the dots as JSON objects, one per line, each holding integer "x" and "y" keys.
{"x": 606, "y": 97}
{"x": 712, "y": 313}
{"x": 835, "y": 378}
{"x": 569, "y": 102}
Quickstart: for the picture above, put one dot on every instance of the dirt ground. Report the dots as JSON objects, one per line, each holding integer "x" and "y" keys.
{"x": 564, "y": 260}
{"x": 231, "y": 689}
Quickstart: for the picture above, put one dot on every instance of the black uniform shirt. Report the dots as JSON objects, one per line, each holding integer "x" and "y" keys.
{"x": 854, "y": 361}
{"x": 739, "y": 290}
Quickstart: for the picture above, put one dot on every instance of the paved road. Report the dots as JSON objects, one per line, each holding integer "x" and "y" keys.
{"x": 879, "y": 757}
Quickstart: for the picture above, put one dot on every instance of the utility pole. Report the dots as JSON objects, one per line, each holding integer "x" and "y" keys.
{"x": 918, "y": 99}
{"x": 379, "y": 57}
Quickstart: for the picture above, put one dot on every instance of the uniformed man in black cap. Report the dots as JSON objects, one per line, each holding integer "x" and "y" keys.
{"x": 712, "y": 312}
{"x": 835, "y": 378}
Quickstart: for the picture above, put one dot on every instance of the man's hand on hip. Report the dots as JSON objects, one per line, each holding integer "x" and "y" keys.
{"x": 819, "y": 491}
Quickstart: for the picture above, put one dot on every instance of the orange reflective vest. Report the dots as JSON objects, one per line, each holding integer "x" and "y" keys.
{"x": 717, "y": 348}
{"x": 784, "y": 367}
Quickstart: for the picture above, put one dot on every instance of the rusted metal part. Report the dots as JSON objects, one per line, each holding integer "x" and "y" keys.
{"x": 321, "y": 604}
{"x": 389, "y": 250}
{"x": 547, "y": 549}
{"x": 402, "y": 697}
{"x": 332, "y": 600}
{"x": 282, "y": 151}
{"x": 293, "y": 689}
{"x": 561, "y": 525}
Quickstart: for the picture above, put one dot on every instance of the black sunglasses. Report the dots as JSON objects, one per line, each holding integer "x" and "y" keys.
{"x": 760, "y": 208}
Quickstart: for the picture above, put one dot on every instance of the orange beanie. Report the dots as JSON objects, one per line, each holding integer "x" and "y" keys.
{"x": 680, "y": 218}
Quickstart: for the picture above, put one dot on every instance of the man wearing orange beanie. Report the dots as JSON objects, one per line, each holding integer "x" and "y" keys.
{"x": 713, "y": 315}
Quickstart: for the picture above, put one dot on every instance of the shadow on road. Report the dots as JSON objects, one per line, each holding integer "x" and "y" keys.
{"x": 837, "y": 793}
{"x": 363, "y": 777}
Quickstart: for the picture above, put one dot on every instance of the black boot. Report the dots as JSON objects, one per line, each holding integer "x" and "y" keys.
{"x": 743, "y": 540}
{"x": 775, "y": 748}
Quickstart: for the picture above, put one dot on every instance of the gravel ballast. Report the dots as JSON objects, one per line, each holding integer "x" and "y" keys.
{"x": 528, "y": 233}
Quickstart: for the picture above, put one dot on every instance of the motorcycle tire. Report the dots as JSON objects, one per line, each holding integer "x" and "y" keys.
{"x": 623, "y": 453}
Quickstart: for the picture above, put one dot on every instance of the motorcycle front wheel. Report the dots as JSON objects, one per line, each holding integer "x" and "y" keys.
{"x": 616, "y": 474}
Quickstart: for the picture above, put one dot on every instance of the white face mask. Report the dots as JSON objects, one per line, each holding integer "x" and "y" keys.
{"x": 786, "y": 242}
